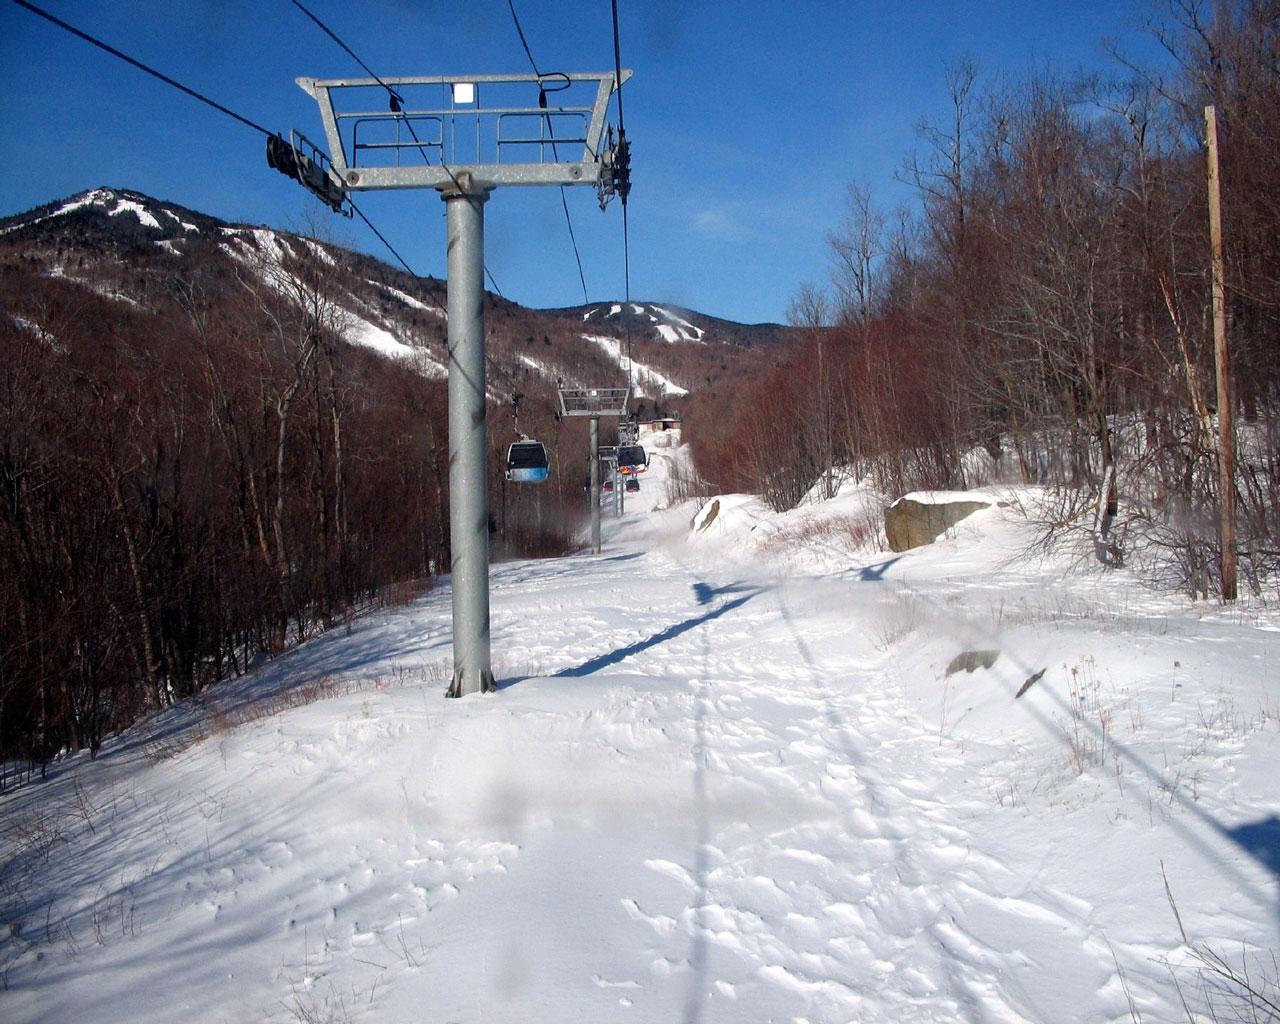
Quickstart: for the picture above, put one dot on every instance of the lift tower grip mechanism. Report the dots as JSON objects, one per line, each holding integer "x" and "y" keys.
{"x": 595, "y": 403}
{"x": 465, "y": 136}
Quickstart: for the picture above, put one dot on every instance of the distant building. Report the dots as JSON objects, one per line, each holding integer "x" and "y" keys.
{"x": 660, "y": 433}
{"x": 660, "y": 426}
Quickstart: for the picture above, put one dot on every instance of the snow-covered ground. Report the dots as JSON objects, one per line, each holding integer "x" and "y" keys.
{"x": 643, "y": 374}
{"x": 728, "y": 776}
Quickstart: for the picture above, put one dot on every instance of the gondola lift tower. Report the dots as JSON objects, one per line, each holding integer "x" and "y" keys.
{"x": 463, "y": 136}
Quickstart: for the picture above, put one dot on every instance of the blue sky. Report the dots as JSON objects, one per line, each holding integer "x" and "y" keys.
{"x": 747, "y": 120}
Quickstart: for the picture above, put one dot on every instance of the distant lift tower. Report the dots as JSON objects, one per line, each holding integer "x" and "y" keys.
{"x": 595, "y": 402}
{"x": 465, "y": 136}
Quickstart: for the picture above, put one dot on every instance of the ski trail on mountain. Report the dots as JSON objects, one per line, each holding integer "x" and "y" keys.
{"x": 853, "y": 893}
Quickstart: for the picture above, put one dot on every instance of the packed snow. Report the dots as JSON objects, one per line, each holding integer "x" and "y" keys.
{"x": 97, "y": 197}
{"x": 320, "y": 252}
{"x": 740, "y": 767}
{"x": 676, "y": 329}
{"x": 263, "y": 252}
{"x": 189, "y": 228}
{"x": 641, "y": 373}
{"x": 138, "y": 210}
{"x": 115, "y": 205}
{"x": 685, "y": 331}
{"x": 361, "y": 332}
{"x": 411, "y": 302}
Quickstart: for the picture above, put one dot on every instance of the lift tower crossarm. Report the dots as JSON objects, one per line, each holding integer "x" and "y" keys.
{"x": 594, "y": 403}
{"x": 435, "y": 146}
{"x": 464, "y": 150}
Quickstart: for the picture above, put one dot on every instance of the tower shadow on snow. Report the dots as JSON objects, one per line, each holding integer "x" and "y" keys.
{"x": 703, "y": 593}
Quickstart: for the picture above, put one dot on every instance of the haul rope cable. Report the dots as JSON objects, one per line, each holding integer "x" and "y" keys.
{"x": 624, "y": 190}
{"x": 174, "y": 83}
{"x": 397, "y": 102}
{"x": 542, "y": 102}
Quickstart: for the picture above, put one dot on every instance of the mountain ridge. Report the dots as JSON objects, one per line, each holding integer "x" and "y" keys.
{"x": 109, "y": 238}
{"x": 114, "y": 201}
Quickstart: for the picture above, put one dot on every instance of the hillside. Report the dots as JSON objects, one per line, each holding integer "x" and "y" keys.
{"x": 730, "y": 775}
{"x": 220, "y": 439}
{"x": 123, "y": 246}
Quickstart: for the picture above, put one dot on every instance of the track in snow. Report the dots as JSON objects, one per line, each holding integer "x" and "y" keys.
{"x": 703, "y": 794}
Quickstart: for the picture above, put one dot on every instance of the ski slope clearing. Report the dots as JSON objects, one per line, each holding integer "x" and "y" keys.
{"x": 751, "y": 771}
{"x": 645, "y": 376}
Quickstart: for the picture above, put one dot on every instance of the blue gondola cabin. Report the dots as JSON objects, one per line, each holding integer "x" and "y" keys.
{"x": 527, "y": 462}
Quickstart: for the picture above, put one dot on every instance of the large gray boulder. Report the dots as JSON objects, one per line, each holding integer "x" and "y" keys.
{"x": 909, "y": 523}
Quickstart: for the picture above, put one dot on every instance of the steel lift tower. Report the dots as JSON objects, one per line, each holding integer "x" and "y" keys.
{"x": 595, "y": 402}
{"x": 463, "y": 136}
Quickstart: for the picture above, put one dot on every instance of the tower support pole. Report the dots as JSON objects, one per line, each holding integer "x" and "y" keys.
{"x": 595, "y": 485}
{"x": 468, "y": 496}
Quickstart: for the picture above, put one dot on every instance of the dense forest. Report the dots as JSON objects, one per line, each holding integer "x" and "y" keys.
{"x": 1045, "y": 316}
{"x": 196, "y": 472}
{"x": 218, "y": 440}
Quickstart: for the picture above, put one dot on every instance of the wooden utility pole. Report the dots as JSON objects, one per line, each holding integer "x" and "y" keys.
{"x": 1222, "y": 366}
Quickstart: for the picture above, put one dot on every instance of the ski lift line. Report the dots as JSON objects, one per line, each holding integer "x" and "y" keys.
{"x": 133, "y": 62}
{"x": 369, "y": 225}
{"x": 313, "y": 174}
{"x": 626, "y": 279}
{"x": 143, "y": 67}
{"x": 487, "y": 272}
{"x": 396, "y": 102}
{"x": 523, "y": 41}
{"x": 542, "y": 102}
{"x": 396, "y": 97}
{"x": 617, "y": 66}
{"x": 507, "y": 378}
{"x": 582, "y": 277}
{"x": 622, "y": 145}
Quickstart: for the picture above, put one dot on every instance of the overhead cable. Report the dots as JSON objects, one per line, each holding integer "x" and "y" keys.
{"x": 617, "y": 66}
{"x": 142, "y": 67}
{"x": 350, "y": 52}
{"x": 542, "y": 102}
{"x": 174, "y": 83}
{"x": 369, "y": 225}
{"x": 622, "y": 145}
{"x": 397, "y": 105}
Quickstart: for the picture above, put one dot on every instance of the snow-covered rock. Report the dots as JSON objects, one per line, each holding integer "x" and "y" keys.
{"x": 921, "y": 517}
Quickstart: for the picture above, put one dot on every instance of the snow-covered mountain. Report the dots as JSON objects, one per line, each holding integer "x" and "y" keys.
{"x": 674, "y": 325}
{"x": 159, "y": 219}
{"x": 121, "y": 245}
{"x": 668, "y": 326}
